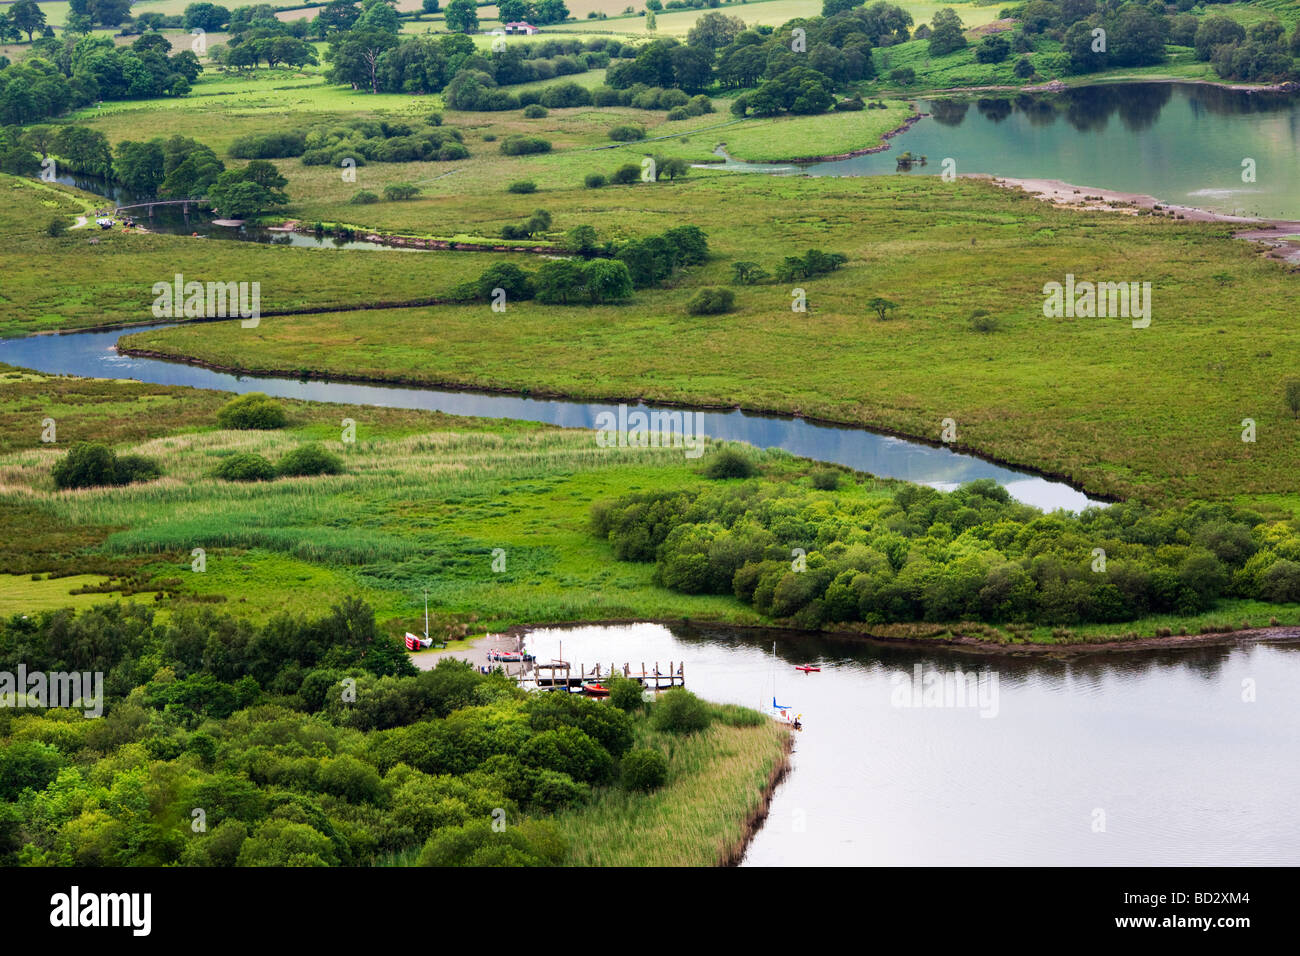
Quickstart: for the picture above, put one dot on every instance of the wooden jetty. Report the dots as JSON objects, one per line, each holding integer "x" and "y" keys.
{"x": 557, "y": 674}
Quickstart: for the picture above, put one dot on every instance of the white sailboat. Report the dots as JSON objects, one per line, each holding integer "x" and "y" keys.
{"x": 782, "y": 712}
{"x": 413, "y": 642}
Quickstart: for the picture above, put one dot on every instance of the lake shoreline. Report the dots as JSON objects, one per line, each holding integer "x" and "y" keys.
{"x": 1057, "y": 86}
{"x": 961, "y": 643}
{"x": 1096, "y": 199}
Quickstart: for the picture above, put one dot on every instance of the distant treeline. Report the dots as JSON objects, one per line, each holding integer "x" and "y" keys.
{"x": 973, "y": 554}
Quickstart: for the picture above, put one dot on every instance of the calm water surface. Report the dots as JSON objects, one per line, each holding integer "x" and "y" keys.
{"x": 1181, "y": 142}
{"x": 1159, "y": 747}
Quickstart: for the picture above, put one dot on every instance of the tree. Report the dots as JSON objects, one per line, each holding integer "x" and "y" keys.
{"x": 748, "y": 273}
{"x": 205, "y": 16}
{"x": 462, "y": 17}
{"x": 355, "y": 56}
{"x": 338, "y": 16}
{"x": 1216, "y": 31}
{"x": 1291, "y": 395}
{"x": 551, "y": 11}
{"x": 378, "y": 15}
{"x": 882, "y": 307}
{"x": 607, "y": 280}
{"x": 139, "y": 166}
{"x": 993, "y": 49}
{"x": 713, "y": 31}
{"x": 650, "y": 23}
{"x": 27, "y": 16}
{"x": 945, "y": 34}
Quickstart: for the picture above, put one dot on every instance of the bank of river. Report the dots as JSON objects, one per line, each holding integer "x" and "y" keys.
{"x": 1159, "y": 757}
{"x": 95, "y": 354}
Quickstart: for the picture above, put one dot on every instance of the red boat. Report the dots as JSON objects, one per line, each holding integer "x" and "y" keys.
{"x": 595, "y": 690}
{"x": 807, "y": 668}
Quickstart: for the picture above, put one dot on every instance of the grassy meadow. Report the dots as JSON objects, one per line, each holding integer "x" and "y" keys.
{"x": 1148, "y": 413}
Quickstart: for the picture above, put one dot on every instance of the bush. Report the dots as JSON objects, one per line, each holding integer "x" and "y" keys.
{"x": 904, "y": 75}
{"x": 363, "y": 197}
{"x": 677, "y": 114}
{"x": 729, "y": 462}
{"x": 981, "y": 321}
{"x": 306, "y": 460}
{"x": 644, "y": 769}
{"x": 626, "y": 174}
{"x": 711, "y": 302}
{"x": 398, "y": 191}
{"x": 625, "y": 694}
{"x": 1024, "y": 68}
{"x": 489, "y": 137}
{"x": 57, "y": 227}
{"x": 245, "y": 466}
{"x": 678, "y": 711}
{"x": 825, "y": 479}
{"x": 594, "y": 180}
{"x": 523, "y": 186}
{"x": 253, "y": 410}
{"x": 91, "y": 465}
{"x": 628, "y": 133}
{"x": 535, "y": 111}
{"x": 523, "y": 145}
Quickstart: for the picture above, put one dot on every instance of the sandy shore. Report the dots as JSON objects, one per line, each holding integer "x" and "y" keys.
{"x": 1270, "y": 232}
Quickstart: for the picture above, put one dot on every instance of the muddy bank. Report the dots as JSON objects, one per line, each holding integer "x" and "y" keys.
{"x": 513, "y": 637}
{"x": 1270, "y": 232}
{"x": 733, "y": 854}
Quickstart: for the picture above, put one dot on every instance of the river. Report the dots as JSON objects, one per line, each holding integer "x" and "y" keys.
{"x": 94, "y": 354}
{"x": 1118, "y": 759}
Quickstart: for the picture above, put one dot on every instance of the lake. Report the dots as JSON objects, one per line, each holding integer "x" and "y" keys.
{"x": 1181, "y": 142}
{"x": 1112, "y": 759}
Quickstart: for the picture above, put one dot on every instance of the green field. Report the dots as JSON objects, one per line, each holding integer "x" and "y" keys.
{"x": 1057, "y": 395}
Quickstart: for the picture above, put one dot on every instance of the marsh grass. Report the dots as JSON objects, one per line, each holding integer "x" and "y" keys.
{"x": 716, "y": 781}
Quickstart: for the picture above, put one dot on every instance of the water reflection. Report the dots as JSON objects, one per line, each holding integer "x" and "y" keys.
{"x": 1159, "y": 748}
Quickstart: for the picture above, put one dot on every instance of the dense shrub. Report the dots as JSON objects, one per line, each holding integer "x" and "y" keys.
{"x": 309, "y": 460}
{"x": 729, "y": 462}
{"x": 594, "y": 180}
{"x": 395, "y": 192}
{"x": 522, "y": 145}
{"x": 252, "y": 410}
{"x": 245, "y": 466}
{"x": 522, "y": 186}
{"x": 644, "y": 769}
{"x": 269, "y": 145}
{"x": 91, "y": 464}
{"x": 711, "y": 302}
{"x": 363, "y": 197}
{"x": 627, "y": 133}
{"x": 678, "y": 711}
{"x": 535, "y": 111}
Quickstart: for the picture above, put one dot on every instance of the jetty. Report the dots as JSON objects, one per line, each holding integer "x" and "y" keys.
{"x": 561, "y": 674}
